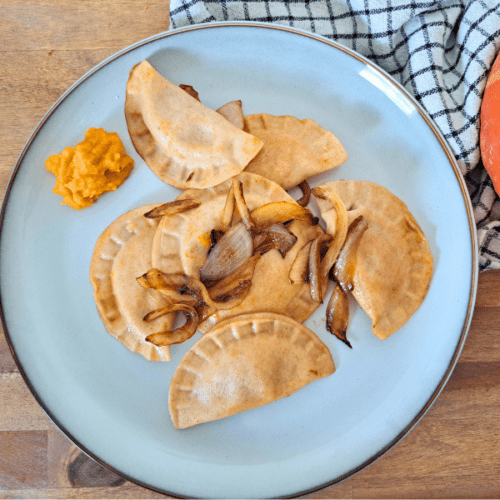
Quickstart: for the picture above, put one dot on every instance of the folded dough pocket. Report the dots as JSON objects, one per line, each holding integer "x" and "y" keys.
{"x": 393, "y": 261}
{"x": 185, "y": 143}
{"x": 123, "y": 252}
{"x": 243, "y": 363}
{"x": 294, "y": 150}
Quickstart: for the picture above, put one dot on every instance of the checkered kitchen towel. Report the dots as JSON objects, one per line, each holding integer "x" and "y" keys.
{"x": 441, "y": 51}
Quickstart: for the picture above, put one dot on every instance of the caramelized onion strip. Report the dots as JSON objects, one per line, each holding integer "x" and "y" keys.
{"x": 314, "y": 266}
{"x": 174, "y": 297}
{"x": 337, "y": 314}
{"x": 181, "y": 283}
{"x": 215, "y": 236}
{"x": 276, "y": 236}
{"x": 340, "y": 229}
{"x": 242, "y": 206}
{"x": 178, "y": 335}
{"x": 205, "y": 312}
{"x": 190, "y": 90}
{"x": 280, "y": 211}
{"x": 236, "y": 282}
{"x": 299, "y": 270}
{"x": 345, "y": 266}
{"x": 306, "y": 194}
{"x": 172, "y": 208}
{"x": 227, "y": 213}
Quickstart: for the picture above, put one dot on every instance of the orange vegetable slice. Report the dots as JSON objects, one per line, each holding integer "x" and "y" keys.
{"x": 490, "y": 125}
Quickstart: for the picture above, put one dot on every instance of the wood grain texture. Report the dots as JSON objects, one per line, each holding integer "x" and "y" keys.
{"x": 45, "y": 46}
{"x": 19, "y": 410}
{"x": 23, "y": 459}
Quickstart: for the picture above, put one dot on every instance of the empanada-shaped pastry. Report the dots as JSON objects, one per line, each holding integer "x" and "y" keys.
{"x": 185, "y": 143}
{"x": 394, "y": 263}
{"x": 182, "y": 242}
{"x": 243, "y": 363}
{"x": 294, "y": 149}
{"x": 123, "y": 252}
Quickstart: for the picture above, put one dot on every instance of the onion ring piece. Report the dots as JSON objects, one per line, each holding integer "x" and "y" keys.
{"x": 178, "y": 335}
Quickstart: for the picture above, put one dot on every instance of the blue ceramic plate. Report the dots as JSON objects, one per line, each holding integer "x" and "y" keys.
{"x": 113, "y": 403}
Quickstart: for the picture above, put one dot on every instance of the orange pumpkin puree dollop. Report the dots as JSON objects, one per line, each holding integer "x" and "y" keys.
{"x": 94, "y": 166}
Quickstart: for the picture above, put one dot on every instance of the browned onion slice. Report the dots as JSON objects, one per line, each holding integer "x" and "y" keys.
{"x": 235, "y": 198}
{"x": 215, "y": 236}
{"x": 299, "y": 270}
{"x": 241, "y": 205}
{"x": 276, "y": 236}
{"x": 340, "y": 228}
{"x": 230, "y": 252}
{"x": 233, "y": 113}
{"x": 280, "y": 211}
{"x": 337, "y": 314}
{"x": 235, "y": 282}
{"x": 174, "y": 297}
{"x": 344, "y": 268}
{"x": 190, "y": 90}
{"x": 235, "y": 290}
{"x": 181, "y": 283}
{"x": 172, "y": 208}
{"x": 314, "y": 266}
{"x": 178, "y": 335}
{"x": 227, "y": 213}
{"x": 205, "y": 312}
{"x": 306, "y": 194}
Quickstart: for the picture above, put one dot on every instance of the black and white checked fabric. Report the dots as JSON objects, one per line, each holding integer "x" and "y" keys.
{"x": 441, "y": 51}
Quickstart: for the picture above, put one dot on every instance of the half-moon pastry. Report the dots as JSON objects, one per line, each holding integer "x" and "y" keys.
{"x": 185, "y": 143}
{"x": 123, "y": 252}
{"x": 243, "y": 363}
{"x": 293, "y": 150}
{"x": 393, "y": 262}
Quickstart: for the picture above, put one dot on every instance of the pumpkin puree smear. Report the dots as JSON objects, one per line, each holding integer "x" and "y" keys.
{"x": 94, "y": 166}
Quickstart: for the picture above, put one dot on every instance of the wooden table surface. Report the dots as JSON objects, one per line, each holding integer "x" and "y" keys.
{"x": 454, "y": 452}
